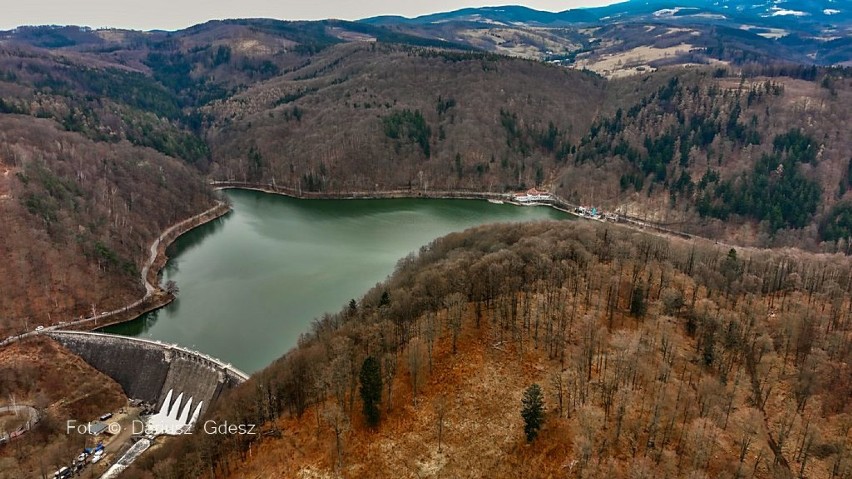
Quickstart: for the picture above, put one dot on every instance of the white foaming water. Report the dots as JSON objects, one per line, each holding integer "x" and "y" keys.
{"x": 172, "y": 418}
{"x": 195, "y": 414}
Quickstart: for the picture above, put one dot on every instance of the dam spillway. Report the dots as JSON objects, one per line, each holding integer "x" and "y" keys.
{"x": 149, "y": 370}
{"x": 173, "y": 416}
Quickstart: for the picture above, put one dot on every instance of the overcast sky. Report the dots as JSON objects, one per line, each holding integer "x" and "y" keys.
{"x": 177, "y": 14}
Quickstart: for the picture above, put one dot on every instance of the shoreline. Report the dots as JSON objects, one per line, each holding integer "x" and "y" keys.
{"x": 558, "y": 203}
{"x": 359, "y": 195}
{"x": 155, "y": 296}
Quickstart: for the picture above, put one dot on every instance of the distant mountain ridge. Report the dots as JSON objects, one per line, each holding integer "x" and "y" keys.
{"x": 799, "y": 31}
{"x": 759, "y": 31}
{"x": 807, "y": 13}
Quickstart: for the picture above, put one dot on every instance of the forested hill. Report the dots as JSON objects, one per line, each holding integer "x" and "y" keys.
{"x": 694, "y": 149}
{"x": 653, "y": 358}
{"x": 78, "y": 219}
{"x": 339, "y": 106}
{"x": 96, "y": 161}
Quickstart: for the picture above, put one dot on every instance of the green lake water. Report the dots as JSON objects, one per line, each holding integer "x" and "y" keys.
{"x": 252, "y": 281}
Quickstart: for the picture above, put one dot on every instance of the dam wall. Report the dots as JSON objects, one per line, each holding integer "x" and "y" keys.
{"x": 194, "y": 378}
{"x": 148, "y": 370}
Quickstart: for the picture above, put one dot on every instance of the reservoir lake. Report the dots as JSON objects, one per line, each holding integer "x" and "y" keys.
{"x": 252, "y": 281}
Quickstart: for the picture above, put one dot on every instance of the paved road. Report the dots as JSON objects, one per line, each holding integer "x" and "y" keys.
{"x": 28, "y": 412}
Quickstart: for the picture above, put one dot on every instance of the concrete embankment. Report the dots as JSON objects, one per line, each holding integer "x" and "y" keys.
{"x": 147, "y": 370}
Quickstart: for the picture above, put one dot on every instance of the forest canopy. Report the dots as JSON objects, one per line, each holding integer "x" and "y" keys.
{"x": 678, "y": 356}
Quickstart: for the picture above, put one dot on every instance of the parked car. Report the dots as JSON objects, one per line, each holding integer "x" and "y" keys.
{"x": 106, "y": 416}
{"x": 97, "y": 456}
{"x": 62, "y": 473}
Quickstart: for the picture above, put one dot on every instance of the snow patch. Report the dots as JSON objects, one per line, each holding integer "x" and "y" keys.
{"x": 670, "y": 12}
{"x": 711, "y": 16}
{"x": 666, "y": 12}
{"x": 781, "y": 12}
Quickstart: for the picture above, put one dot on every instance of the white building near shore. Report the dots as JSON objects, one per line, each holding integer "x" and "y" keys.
{"x": 532, "y": 195}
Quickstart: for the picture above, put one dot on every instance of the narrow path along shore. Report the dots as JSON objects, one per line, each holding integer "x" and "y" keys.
{"x": 154, "y": 297}
{"x": 149, "y": 277}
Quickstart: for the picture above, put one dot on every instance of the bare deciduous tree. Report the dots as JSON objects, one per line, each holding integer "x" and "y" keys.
{"x": 455, "y": 304}
{"x": 338, "y": 421}
{"x": 440, "y": 407}
{"x": 415, "y": 367}
{"x": 389, "y": 363}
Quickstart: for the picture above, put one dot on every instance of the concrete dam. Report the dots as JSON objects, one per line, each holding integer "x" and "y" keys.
{"x": 152, "y": 371}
